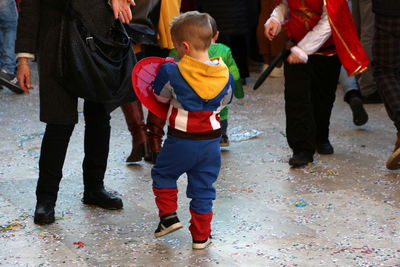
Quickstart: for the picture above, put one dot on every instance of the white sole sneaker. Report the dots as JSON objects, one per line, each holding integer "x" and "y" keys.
{"x": 201, "y": 245}
{"x": 167, "y": 230}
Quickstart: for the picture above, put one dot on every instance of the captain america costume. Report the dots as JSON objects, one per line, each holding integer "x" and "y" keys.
{"x": 197, "y": 92}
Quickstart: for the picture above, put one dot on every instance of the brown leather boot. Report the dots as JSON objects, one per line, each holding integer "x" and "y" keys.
{"x": 155, "y": 133}
{"x": 133, "y": 112}
{"x": 393, "y": 162}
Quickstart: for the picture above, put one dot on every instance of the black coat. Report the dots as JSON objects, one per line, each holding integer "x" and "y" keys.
{"x": 38, "y": 32}
{"x": 386, "y": 7}
{"x": 230, "y": 15}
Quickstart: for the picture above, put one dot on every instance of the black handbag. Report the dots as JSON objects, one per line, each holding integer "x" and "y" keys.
{"x": 96, "y": 67}
{"x": 142, "y": 32}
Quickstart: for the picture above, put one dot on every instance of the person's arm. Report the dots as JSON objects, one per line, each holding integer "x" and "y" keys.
{"x": 278, "y": 17}
{"x": 234, "y": 70}
{"x": 161, "y": 86}
{"x": 27, "y": 36}
{"x": 313, "y": 40}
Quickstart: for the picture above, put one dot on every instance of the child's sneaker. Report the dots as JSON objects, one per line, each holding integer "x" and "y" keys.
{"x": 201, "y": 244}
{"x": 168, "y": 223}
{"x": 224, "y": 140}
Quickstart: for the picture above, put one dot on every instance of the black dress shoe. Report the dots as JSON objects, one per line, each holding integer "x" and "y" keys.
{"x": 300, "y": 159}
{"x": 360, "y": 116}
{"x": 325, "y": 148}
{"x": 103, "y": 199}
{"x": 44, "y": 213}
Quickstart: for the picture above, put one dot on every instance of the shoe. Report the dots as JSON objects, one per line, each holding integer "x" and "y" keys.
{"x": 103, "y": 199}
{"x": 224, "y": 141}
{"x": 133, "y": 113}
{"x": 300, "y": 159}
{"x": 44, "y": 213}
{"x": 325, "y": 148}
{"x": 201, "y": 244}
{"x": 10, "y": 81}
{"x": 393, "y": 162}
{"x": 373, "y": 98}
{"x": 360, "y": 116}
{"x": 168, "y": 223}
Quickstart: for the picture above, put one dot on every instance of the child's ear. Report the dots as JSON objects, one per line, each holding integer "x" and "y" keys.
{"x": 215, "y": 37}
{"x": 186, "y": 46}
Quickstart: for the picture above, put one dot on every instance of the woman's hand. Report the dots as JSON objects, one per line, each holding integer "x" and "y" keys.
{"x": 271, "y": 30}
{"x": 24, "y": 75}
{"x": 122, "y": 9}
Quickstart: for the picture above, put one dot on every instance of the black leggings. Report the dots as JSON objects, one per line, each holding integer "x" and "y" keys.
{"x": 54, "y": 148}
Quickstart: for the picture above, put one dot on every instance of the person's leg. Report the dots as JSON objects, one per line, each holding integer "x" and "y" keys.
{"x": 174, "y": 159}
{"x": 352, "y": 96}
{"x": 52, "y": 155}
{"x": 347, "y": 83}
{"x": 224, "y": 127}
{"x": 200, "y": 189}
{"x": 96, "y": 145}
{"x": 8, "y": 30}
{"x": 386, "y": 60}
{"x": 366, "y": 81}
{"x": 325, "y": 79}
{"x": 8, "y": 27}
{"x": 300, "y": 123}
{"x": 1, "y": 47}
{"x": 155, "y": 133}
{"x": 133, "y": 113}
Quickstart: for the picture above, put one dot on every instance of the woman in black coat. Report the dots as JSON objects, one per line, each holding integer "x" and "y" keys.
{"x": 39, "y": 28}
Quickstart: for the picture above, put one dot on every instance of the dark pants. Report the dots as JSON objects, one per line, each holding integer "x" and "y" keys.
{"x": 54, "y": 148}
{"x": 309, "y": 96}
{"x": 386, "y": 62}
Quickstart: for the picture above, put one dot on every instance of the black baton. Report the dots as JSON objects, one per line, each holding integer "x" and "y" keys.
{"x": 279, "y": 58}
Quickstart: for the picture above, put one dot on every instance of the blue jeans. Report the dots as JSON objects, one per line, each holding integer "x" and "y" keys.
{"x": 347, "y": 83}
{"x": 8, "y": 31}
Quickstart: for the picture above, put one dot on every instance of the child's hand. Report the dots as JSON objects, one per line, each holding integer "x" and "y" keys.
{"x": 294, "y": 59}
{"x": 271, "y": 30}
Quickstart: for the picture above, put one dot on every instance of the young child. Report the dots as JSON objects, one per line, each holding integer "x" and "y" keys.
{"x": 223, "y": 51}
{"x": 312, "y": 69}
{"x": 197, "y": 88}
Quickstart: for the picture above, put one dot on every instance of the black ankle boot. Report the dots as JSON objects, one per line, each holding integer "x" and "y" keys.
{"x": 103, "y": 199}
{"x": 325, "y": 148}
{"x": 300, "y": 159}
{"x": 44, "y": 212}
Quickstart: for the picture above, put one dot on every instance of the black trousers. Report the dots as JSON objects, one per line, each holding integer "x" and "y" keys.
{"x": 386, "y": 62}
{"x": 54, "y": 148}
{"x": 309, "y": 95}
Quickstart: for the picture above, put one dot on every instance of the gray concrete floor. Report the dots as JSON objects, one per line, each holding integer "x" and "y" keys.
{"x": 351, "y": 216}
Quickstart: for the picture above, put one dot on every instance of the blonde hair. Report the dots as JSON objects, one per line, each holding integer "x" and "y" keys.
{"x": 194, "y": 27}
